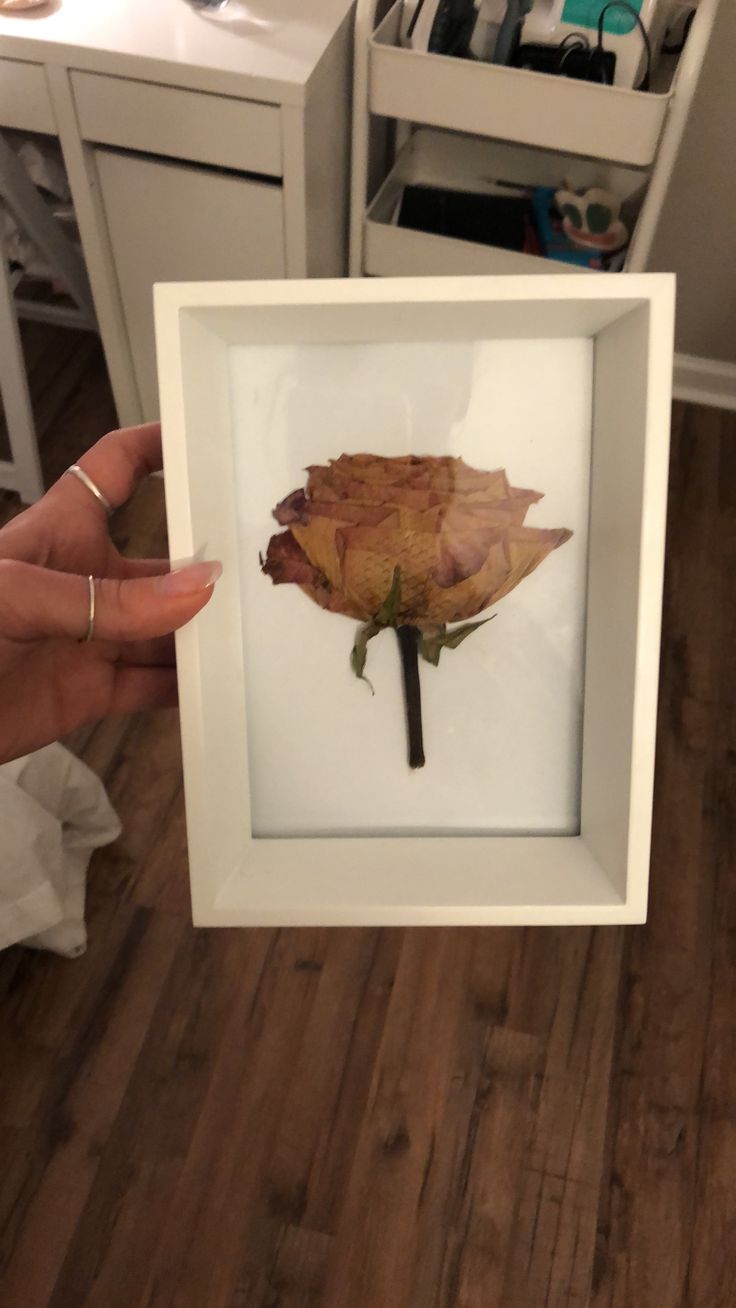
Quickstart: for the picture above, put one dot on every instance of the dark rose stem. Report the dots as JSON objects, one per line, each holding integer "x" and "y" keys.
{"x": 409, "y": 646}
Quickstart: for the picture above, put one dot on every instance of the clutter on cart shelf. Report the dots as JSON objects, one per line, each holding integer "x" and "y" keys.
{"x": 616, "y": 42}
{"x": 504, "y": 219}
{"x": 42, "y": 160}
{"x": 580, "y": 228}
{"x": 566, "y": 228}
{"x": 591, "y": 219}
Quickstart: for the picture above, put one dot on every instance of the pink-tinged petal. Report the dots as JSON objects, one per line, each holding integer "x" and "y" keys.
{"x": 455, "y": 534}
{"x": 463, "y": 554}
{"x": 509, "y": 560}
{"x": 291, "y": 509}
{"x": 286, "y": 561}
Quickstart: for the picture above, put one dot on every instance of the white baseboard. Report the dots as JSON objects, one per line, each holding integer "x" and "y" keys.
{"x": 705, "y": 381}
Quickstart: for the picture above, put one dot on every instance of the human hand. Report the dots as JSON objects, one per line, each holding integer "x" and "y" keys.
{"x": 52, "y": 679}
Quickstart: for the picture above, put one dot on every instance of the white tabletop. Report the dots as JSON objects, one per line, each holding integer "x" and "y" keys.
{"x": 263, "y": 49}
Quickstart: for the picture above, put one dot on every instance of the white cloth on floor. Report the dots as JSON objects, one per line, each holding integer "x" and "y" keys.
{"x": 53, "y": 813}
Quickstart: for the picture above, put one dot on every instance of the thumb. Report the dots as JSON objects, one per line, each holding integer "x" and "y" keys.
{"x": 37, "y": 602}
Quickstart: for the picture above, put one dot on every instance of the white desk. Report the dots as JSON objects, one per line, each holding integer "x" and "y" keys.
{"x": 197, "y": 146}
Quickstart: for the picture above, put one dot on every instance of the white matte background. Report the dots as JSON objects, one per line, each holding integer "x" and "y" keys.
{"x": 502, "y": 714}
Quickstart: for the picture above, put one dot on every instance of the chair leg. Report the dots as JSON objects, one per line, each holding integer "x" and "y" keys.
{"x": 23, "y": 473}
{"x": 34, "y": 218}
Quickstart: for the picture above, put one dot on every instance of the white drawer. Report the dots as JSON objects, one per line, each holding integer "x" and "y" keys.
{"x": 24, "y": 97}
{"x": 169, "y": 222}
{"x": 164, "y": 120}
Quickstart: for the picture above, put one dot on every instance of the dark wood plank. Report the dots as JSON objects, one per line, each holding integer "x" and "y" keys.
{"x": 70, "y": 396}
{"x": 657, "y": 1198}
{"x": 483, "y": 1072}
{"x": 711, "y": 1269}
{"x": 376, "y": 1250}
{"x": 489, "y": 1182}
{"x": 70, "y": 1131}
{"x": 298, "y": 1273}
{"x": 305, "y": 1174}
{"x": 219, "y": 1197}
{"x": 118, "y": 1234}
{"x": 554, "y": 1228}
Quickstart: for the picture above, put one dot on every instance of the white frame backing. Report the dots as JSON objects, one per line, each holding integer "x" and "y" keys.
{"x": 598, "y": 876}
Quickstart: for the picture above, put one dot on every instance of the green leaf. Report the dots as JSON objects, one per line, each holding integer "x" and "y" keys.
{"x": 359, "y": 652}
{"x": 456, "y": 637}
{"x": 387, "y": 615}
{"x": 431, "y": 647}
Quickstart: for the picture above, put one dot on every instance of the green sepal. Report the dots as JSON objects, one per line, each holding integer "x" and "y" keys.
{"x": 359, "y": 652}
{"x": 387, "y": 615}
{"x": 431, "y": 646}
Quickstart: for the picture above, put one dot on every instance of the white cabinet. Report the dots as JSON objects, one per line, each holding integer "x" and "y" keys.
{"x": 24, "y": 99}
{"x": 195, "y": 148}
{"x": 169, "y": 222}
{"x": 167, "y": 120}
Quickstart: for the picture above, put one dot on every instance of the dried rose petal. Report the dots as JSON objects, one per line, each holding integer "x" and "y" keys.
{"x": 456, "y": 533}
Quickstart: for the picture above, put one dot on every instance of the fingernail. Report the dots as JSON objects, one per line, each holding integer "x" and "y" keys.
{"x": 199, "y": 556}
{"x": 189, "y": 580}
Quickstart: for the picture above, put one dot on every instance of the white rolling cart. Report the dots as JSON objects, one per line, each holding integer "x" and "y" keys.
{"x": 462, "y": 124}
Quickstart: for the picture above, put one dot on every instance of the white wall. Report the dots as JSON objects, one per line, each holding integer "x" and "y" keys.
{"x": 696, "y": 236}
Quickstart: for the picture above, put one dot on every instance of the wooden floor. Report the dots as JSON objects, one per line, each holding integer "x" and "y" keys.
{"x": 390, "y": 1119}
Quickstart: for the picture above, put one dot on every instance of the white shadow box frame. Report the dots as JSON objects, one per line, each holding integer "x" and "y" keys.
{"x": 599, "y": 875}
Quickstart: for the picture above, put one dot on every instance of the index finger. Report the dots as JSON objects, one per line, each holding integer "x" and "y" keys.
{"x": 116, "y": 464}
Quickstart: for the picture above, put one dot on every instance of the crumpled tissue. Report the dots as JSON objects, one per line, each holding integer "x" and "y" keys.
{"x": 54, "y": 812}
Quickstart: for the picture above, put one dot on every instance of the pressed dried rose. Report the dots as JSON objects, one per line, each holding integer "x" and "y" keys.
{"x": 413, "y": 543}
